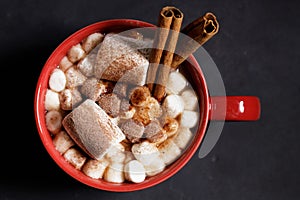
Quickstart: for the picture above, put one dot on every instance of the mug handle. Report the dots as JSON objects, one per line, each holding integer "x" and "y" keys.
{"x": 234, "y": 108}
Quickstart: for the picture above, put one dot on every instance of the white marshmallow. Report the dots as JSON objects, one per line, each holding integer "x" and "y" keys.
{"x": 75, "y": 158}
{"x": 134, "y": 171}
{"x": 53, "y": 121}
{"x": 189, "y": 119}
{"x": 173, "y": 105}
{"x": 75, "y": 53}
{"x": 169, "y": 151}
{"x": 183, "y": 137}
{"x": 74, "y": 77}
{"x": 69, "y": 98}
{"x": 52, "y": 100}
{"x": 95, "y": 168}
{"x": 91, "y": 41}
{"x": 145, "y": 152}
{"x": 176, "y": 83}
{"x": 57, "y": 80}
{"x": 86, "y": 65}
{"x": 190, "y": 99}
{"x": 116, "y": 154}
{"x": 62, "y": 142}
{"x": 92, "y": 88}
{"x": 65, "y": 63}
{"x": 155, "y": 167}
{"x": 114, "y": 173}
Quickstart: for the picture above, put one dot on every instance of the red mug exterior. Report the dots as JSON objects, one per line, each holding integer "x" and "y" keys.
{"x": 237, "y": 108}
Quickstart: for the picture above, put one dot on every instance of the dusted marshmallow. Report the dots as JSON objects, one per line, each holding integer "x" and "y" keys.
{"x": 74, "y": 77}
{"x": 133, "y": 130}
{"x": 145, "y": 152}
{"x": 92, "y": 129}
{"x": 53, "y": 121}
{"x": 91, "y": 41}
{"x": 126, "y": 110}
{"x": 75, "y": 158}
{"x": 121, "y": 89}
{"x": 75, "y": 53}
{"x": 142, "y": 115}
{"x": 69, "y": 98}
{"x": 65, "y": 63}
{"x": 95, "y": 168}
{"x": 116, "y": 153}
{"x": 155, "y": 110}
{"x": 52, "y": 100}
{"x": 118, "y": 59}
{"x": 86, "y": 65}
{"x": 110, "y": 103}
{"x": 149, "y": 110}
{"x": 171, "y": 126}
{"x": 92, "y": 88}
{"x": 114, "y": 173}
{"x": 139, "y": 96}
{"x": 154, "y": 132}
{"x": 62, "y": 142}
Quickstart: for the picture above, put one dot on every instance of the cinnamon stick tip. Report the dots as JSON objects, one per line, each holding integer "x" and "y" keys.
{"x": 212, "y": 25}
{"x": 166, "y": 13}
{"x": 169, "y": 11}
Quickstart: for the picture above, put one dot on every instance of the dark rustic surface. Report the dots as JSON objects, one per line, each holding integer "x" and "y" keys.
{"x": 256, "y": 51}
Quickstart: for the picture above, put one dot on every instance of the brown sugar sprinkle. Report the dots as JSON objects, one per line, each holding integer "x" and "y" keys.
{"x": 139, "y": 95}
{"x": 171, "y": 126}
{"x": 154, "y": 132}
{"x": 142, "y": 115}
{"x": 110, "y": 103}
{"x": 133, "y": 130}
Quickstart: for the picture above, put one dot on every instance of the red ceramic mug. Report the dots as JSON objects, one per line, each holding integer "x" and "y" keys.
{"x": 236, "y": 108}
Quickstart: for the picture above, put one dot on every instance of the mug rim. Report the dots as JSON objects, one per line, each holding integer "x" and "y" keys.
{"x": 39, "y": 112}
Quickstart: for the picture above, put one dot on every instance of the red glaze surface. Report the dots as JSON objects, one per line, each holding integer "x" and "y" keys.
{"x": 235, "y": 108}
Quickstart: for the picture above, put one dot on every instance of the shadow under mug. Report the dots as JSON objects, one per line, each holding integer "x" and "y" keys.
{"x": 228, "y": 108}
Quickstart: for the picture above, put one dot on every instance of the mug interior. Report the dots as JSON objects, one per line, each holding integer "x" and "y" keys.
{"x": 192, "y": 72}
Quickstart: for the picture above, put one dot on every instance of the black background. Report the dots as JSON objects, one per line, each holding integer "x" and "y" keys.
{"x": 256, "y": 51}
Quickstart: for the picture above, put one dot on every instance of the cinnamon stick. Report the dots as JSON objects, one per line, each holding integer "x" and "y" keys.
{"x": 167, "y": 57}
{"x": 160, "y": 38}
{"x": 197, "y": 33}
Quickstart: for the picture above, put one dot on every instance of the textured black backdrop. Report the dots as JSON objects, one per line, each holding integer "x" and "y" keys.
{"x": 256, "y": 51}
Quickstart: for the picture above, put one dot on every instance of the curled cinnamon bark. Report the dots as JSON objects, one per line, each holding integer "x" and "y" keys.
{"x": 170, "y": 48}
{"x": 197, "y": 33}
{"x": 160, "y": 38}
{"x": 167, "y": 57}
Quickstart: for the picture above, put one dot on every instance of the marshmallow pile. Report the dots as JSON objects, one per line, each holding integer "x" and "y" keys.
{"x": 128, "y": 135}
